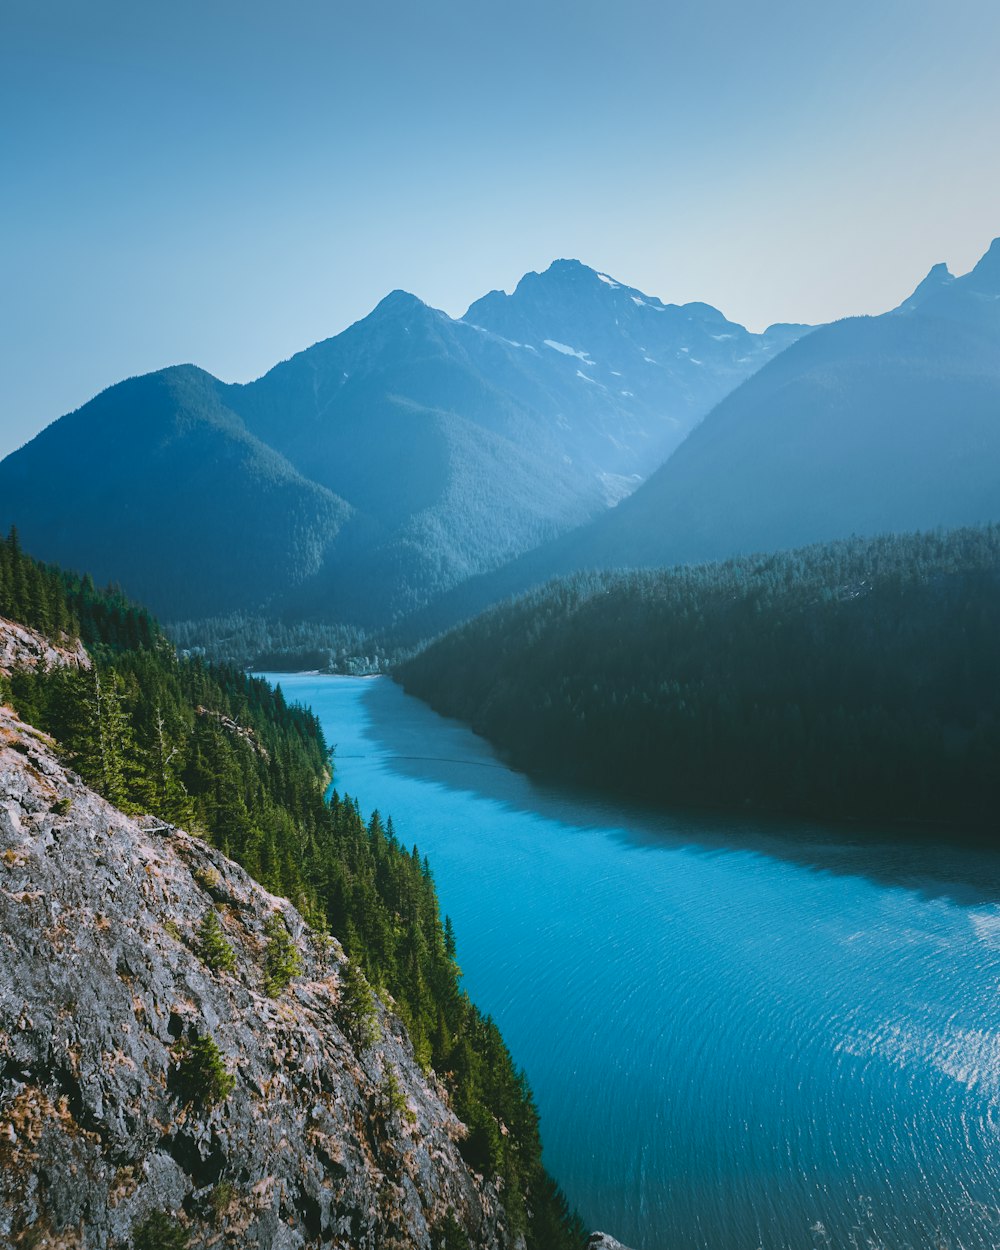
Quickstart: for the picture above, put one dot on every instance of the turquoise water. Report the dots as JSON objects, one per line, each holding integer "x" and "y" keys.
{"x": 738, "y": 1035}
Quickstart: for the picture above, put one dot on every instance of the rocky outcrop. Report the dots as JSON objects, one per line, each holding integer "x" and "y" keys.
{"x": 106, "y": 1118}
{"x": 604, "y": 1241}
{"x": 234, "y": 728}
{"x": 21, "y": 647}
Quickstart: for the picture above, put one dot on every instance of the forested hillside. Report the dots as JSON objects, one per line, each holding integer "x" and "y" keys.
{"x": 857, "y": 679}
{"x": 223, "y": 754}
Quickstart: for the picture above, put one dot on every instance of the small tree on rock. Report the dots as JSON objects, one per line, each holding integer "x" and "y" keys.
{"x": 213, "y": 949}
{"x": 201, "y": 1078}
{"x": 282, "y": 960}
{"x": 357, "y": 1000}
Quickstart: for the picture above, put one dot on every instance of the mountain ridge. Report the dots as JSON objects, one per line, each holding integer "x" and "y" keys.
{"x": 867, "y": 425}
{"x": 367, "y": 474}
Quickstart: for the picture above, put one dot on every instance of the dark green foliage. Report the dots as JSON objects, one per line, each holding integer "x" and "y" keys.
{"x": 448, "y": 1234}
{"x": 213, "y": 949}
{"x": 357, "y": 1000}
{"x": 159, "y": 1231}
{"x": 33, "y": 594}
{"x": 220, "y": 1199}
{"x": 63, "y": 606}
{"x": 269, "y": 644}
{"x": 856, "y": 679}
{"x": 200, "y": 1077}
{"x": 281, "y": 959}
{"x": 220, "y": 752}
{"x": 393, "y": 1099}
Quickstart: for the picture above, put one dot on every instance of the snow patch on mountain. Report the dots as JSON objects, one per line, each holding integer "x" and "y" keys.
{"x": 566, "y": 350}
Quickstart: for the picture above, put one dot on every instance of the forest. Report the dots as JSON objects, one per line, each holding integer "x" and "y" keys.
{"x": 273, "y": 644}
{"x": 858, "y": 679}
{"x": 222, "y": 754}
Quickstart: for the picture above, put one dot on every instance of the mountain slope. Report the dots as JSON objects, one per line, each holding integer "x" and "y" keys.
{"x": 158, "y": 485}
{"x": 974, "y": 297}
{"x": 871, "y": 425}
{"x": 370, "y": 473}
{"x": 505, "y": 442}
{"x": 654, "y": 360}
{"x": 222, "y": 753}
{"x": 320, "y": 1141}
{"x": 865, "y": 426}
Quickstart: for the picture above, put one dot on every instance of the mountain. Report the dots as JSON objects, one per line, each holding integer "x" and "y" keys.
{"x": 973, "y": 298}
{"x": 865, "y": 426}
{"x": 373, "y": 471}
{"x": 158, "y": 485}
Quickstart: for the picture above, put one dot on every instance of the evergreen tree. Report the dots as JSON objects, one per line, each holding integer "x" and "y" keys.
{"x": 282, "y": 961}
{"x": 213, "y": 949}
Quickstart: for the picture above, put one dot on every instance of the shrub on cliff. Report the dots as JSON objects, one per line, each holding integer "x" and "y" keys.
{"x": 159, "y": 1231}
{"x": 357, "y": 1000}
{"x": 281, "y": 959}
{"x": 213, "y": 949}
{"x": 200, "y": 1077}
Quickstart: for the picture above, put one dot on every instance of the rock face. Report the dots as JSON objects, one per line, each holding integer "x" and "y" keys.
{"x": 21, "y": 647}
{"x": 604, "y": 1241}
{"x": 323, "y": 1141}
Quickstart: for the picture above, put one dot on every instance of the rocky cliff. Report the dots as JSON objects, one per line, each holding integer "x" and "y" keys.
{"x": 145, "y": 1096}
{"x": 21, "y": 647}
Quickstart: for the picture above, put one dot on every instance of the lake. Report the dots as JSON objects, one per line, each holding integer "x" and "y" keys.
{"x": 738, "y": 1034}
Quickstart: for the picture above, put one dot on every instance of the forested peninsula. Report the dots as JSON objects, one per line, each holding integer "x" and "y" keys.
{"x": 222, "y": 754}
{"x": 857, "y": 679}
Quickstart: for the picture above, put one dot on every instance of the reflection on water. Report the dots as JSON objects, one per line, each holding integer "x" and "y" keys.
{"x": 911, "y": 858}
{"x": 739, "y": 1034}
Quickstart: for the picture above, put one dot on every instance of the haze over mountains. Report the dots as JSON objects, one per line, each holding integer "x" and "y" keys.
{"x": 418, "y": 465}
{"x": 380, "y": 467}
{"x": 865, "y": 426}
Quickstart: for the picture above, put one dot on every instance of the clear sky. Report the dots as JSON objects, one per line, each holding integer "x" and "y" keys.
{"x": 228, "y": 181}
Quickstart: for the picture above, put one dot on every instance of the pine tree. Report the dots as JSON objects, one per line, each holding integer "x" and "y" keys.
{"x": 281, "y": 958}
{"x": 358, "y": 1002}
{"x": 104, "y": 737}
{"x": 213, "y": 949}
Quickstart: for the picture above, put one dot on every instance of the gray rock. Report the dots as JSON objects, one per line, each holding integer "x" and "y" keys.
{"x": 21, "y": 647}
{"x": 604, "y": 1241}
{"x": 101, "y": 979}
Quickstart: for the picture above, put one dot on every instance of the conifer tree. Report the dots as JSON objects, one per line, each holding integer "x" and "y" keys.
{"x": 213, "y": 949}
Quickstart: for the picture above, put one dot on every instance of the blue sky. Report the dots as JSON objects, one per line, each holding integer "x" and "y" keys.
{"x": 228, "y": 182}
